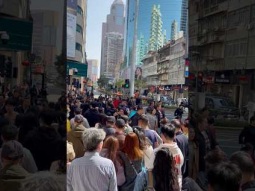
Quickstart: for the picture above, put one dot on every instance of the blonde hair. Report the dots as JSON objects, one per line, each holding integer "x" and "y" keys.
{"x": 70, "y": 151}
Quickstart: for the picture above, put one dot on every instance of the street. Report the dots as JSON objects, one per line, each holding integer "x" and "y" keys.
{"x": 228, "y": 139}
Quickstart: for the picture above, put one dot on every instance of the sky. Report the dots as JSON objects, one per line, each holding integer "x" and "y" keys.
{"x": 97, "y": 11}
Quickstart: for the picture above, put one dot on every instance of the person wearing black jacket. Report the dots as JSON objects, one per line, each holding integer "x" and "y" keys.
{"x": 248, "y": 133}
{"x": 92, "y": 115}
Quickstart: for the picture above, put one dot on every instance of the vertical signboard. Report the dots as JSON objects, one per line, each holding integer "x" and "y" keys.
{"x": 71, "y": 34}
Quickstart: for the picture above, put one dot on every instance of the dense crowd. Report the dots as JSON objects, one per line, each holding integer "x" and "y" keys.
{"x": 33, "y": 141}
{"x": 120, "y": 144}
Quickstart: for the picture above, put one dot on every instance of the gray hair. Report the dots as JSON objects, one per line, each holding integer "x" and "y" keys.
{"x": 44, "y": 181}
{"x": 92, "y": 137}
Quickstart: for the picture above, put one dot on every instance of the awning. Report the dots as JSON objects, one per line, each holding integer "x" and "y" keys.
{"x": 82, "y": 68}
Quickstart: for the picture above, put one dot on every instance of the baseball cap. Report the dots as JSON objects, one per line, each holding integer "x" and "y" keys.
{"x": 120, "y": 123}
{"x": 111, "y": 119}
{"x": 78, "y": 118}
{"x": 12, "y": 150}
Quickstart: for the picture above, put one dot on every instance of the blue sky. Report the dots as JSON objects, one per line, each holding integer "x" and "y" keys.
{"x": 96, "y": 15}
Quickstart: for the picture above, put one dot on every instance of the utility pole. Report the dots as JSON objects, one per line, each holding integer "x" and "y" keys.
{"x": 132, "y": 72}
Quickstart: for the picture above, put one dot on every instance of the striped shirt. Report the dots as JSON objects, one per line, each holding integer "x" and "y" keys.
{"x": 91, "y": 173}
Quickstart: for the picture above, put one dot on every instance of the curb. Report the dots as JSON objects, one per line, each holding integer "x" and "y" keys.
{"x": 229, "y": 128}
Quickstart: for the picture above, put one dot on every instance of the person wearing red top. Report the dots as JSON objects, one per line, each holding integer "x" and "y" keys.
{"x": 116, "y": 102}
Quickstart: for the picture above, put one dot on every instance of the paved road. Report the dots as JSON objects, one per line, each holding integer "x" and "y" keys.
{"x": 170, "y": 114}
{"x": 228, "y": 140}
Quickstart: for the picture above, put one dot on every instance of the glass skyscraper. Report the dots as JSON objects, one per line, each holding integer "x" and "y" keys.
{"x": 154, "y": 22}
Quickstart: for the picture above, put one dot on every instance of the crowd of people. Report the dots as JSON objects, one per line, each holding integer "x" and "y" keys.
{"x": 33, "y": 141}
{"x": 119, "y": 144}
{"x": 114, "y": 144}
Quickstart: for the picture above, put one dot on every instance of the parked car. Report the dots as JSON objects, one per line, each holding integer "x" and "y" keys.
{"x": 166, "y": 100}
{"x": 221, "y": 107}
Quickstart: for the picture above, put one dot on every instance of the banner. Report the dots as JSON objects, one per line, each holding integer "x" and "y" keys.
{"x": 71, "y": 34}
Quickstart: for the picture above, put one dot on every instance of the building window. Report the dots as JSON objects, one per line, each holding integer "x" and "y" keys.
{"x": 79, "y": 28}
{"x": 79, "y": 10}
{"x": 78, "y": 47}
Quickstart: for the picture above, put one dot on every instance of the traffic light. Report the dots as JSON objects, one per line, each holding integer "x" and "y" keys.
{"x": 126, "y": 85}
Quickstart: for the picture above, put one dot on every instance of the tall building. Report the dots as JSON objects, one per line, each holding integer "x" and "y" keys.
{"x": 221, "y": 48}
{"x": 184, "y": 17}
{"x": 47, "y": 38}
{"x": 156, "y": 36}
{"x": 93, "y": 70}
{"x": 76, "y": 41}
{"x": 174, "y": 30}
{"x": 112, "y": 30}
{"x": 169, "y": 11}
{"x": 15, "y": 23}
{"x": 113, "y": 46}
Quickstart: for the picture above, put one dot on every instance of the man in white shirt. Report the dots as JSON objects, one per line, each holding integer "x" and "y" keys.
{"x": 92, "y": 172}
{"x": 168, "y": 135}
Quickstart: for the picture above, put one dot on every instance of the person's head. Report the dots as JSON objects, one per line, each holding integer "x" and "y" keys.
{"x": 140, "y": 110}
{"x": 9, "y": 105}
{"x": 120, "y": 124}
{"x": 214, "y": 157}
{"x": 143, "y": 121}
{"x": 78, "y": 119}
{"x": 149, "y": 110}
{"x": 93, "y": 139}
{"x": 252, "y": 120}
{"x": 201, "y": 122}
{"x": 143, "y": 141}
{"x": 26, "y": 103}
{"x": 9, "y": 132}
{"x": 177, "y": 124}
{"x": 44, "y": 181}
{"x": 210, "y": 120}
{"x": 158, "y": 106}
{"x": 245, "y": 163}
{"x": 110, "y": 121}
{"x": 224, "y": 176}
{"x": 47, "y": 117}
{"x": 111, "y": 143}
{"x": 77, "y": 111}
{"x": 192, "y": 134}
{"x": 205, "y": 112}
{"x": 164, "y": 170}
{"x": 12, "y": 152}
{"x": 248, "y": 148}
{"x": 131, "y": 147}
{"x": 167, "y": 132}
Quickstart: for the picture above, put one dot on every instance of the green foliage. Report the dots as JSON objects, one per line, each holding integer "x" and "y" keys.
{"x": 102, "y": 81}
{"x": 141, "y": 83}
{"x": 61, "y": 68}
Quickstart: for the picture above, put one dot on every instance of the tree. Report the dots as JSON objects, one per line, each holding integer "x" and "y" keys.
{"x": 102, "y": 81}
{"x": 119, "y": 84}
{"x": 141, "y": 83}
{"x": 61, "y": 68}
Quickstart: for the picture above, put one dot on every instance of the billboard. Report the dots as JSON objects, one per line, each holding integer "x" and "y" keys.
{"x": 71, "y": 34}
{"x": 72, "y": 4}
{"x": 138, "y": 73}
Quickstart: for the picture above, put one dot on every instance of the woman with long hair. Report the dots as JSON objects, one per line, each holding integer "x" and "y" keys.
{"x": 162, "y": 177}
{"x": 110, "y": 151}
{"x": 132, "y": 157}
{"x": 145, "y": 146}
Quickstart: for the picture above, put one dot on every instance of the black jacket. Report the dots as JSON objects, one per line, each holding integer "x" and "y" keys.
{"x": 247, "y": 135}
{"x": 92, "y": 116}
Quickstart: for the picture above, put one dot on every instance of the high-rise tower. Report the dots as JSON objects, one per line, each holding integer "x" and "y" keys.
{"x": 156, "y": 36}
{"x": 112, "y": 30}
{"x": 184, "y": 17}
{"x": 174, "y": 30}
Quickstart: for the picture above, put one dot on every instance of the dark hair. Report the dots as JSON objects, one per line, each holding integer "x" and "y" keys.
{"x": 47, "y": 116}
{"x": 215, "y": 157}
{"x": 210, "y": 120}
{"x": 244, "y": 161}
{"x": 168, "y": 130}
{"x": 143, "y": 141}
{"x": 225, "y": 176}
{"x": 164, "y": 171}
{"x": 10, "y": 132}
{"x": 252, "y": 119}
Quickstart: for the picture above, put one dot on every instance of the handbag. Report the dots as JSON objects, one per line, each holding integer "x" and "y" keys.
{"x": 149, "y": 186}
